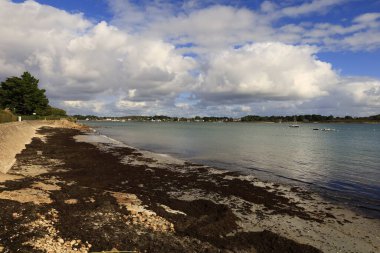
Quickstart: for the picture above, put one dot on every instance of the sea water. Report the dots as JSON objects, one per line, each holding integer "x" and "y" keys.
{"x": 343, "y": 165}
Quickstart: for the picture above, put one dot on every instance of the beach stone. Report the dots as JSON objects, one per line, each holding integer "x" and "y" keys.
{"x": 71, "y": 201}
{"x": 61, "y": 241}
{"x": 15, "y": 215}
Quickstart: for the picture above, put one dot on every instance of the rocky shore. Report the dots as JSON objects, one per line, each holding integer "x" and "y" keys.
{"x": 73, "y": 191}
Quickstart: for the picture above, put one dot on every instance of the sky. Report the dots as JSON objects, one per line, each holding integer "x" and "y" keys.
{"x": 192, "y": 57}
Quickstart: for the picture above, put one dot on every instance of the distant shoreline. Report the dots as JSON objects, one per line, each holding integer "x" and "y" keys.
{"x": 266, "y": 122}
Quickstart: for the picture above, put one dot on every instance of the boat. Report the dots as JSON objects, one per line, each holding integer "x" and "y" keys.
{"x": 328, "y": 129}
{"x": 295, "y": 123}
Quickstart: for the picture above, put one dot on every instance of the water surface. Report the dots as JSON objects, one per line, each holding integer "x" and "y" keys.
{"x": 343, "y": 165}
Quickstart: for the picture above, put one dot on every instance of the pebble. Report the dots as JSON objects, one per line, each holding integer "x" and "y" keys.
{"x": 15, "y": 215}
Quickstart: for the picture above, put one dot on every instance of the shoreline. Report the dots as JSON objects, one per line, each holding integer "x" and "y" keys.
{"x": 340, "y": 196}
{"x": 98, "y": 137}
{"x": 182, "y": 206}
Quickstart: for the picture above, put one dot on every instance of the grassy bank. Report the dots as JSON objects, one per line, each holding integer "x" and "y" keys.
{"x": 48, "y": 117}
{"x": 6, "y": 116}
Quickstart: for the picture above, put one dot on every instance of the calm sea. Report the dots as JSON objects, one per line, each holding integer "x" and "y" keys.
{"x": 343, "y": 165}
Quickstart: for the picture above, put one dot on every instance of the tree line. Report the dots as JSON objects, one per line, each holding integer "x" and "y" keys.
{"x": 249, "y": 118}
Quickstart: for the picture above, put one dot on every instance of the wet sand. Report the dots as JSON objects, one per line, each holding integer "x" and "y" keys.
{"x": 73, "y": 191}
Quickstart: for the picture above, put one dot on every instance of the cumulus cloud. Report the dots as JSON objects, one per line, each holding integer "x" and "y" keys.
{"x": 351, "y": 95}
{"x": 273, "y": 71}
{"x": 80, "y": 61}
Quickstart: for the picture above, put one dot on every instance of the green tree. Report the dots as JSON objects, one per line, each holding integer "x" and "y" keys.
{"x": 54, "y": 111}
{"x": 22, "y": 95}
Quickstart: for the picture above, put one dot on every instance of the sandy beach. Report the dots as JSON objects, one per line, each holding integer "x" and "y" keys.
{"x": 72, "y": 190}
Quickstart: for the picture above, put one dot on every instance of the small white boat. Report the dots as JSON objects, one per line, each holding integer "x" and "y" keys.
{"x": 295, "y": 123}
{"x": 328, "y": 129}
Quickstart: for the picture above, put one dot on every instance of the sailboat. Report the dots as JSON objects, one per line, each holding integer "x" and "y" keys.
{"x": 295, "y": 123}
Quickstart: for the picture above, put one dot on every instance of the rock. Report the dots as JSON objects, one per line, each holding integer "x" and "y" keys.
{"x": 73, "y": 242}
{"x": 71, "y": 201}
{"x": 61, "y": 241}
{"x": 15, "y": 215}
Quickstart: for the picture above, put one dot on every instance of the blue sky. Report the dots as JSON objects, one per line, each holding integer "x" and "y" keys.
{"x": 199, "y": 57}
{"x": 94, "y": 9}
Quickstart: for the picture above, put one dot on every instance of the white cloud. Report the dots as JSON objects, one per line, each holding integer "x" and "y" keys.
{"x": 221, "y": 26}
{"x": 309, "y": 7}
{"x": 126, "y": 104}
{"x": 211, "y": 27}
{"x": 367, "y": 17}
{"x": 368, "y": 40}
{"x": 272, "y": 71}
{"x": 363, "y": 92}
{"x": 78, "y": 60}
{"x": 358, "y": 96}
{"x": 77, "y": 106}
{"x": 268, "y": 7}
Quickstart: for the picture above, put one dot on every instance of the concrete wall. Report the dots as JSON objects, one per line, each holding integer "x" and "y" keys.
{"x": 13, "y": 137}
